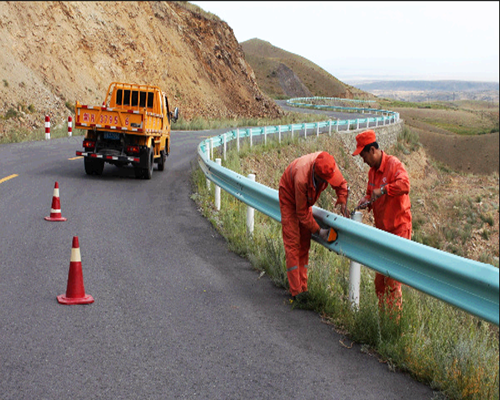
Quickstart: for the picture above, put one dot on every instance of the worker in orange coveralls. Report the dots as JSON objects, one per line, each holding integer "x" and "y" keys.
{"x": 300, "y": 186}
{"x": 387, "y": 195}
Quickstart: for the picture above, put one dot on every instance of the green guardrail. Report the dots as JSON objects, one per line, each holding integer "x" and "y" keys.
{"x": 467, "y": 284}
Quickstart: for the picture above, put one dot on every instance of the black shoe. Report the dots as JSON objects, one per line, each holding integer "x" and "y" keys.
{"x": 300, "y": 299}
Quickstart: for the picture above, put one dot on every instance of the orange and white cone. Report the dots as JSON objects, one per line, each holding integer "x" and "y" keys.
{"x": 75, "y": 291}
{"x": 55, "y": 211}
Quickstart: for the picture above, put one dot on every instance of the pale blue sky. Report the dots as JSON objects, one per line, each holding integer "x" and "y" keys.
{"x": 376, "y": 40}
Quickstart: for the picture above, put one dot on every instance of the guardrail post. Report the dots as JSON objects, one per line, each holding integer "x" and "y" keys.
{"x": 305, "y": 131}
{"x": 265, "y": 135}
{"x": 225, "y": 146}
{"x": 208, "y": 156}
{"x": 355, "y": 273}
{"x": 357, "y": 126}
{"x": 217, "y": 189}
{"x": 329, "y": 127}
{"x": 317, "y": 128}
{"x": 376, "y": 122}
{"x": 47, "y": 127}
{"x": 337, "y": 126}
{"x": 348, "y": 124}
{"x": 250, "y": 135}
{"x": 279, "y": 133}
{"x": 238, "y": 139}
{"x": 291, "y": 128}
{"x": 211, "y": 148}
{"x": 250, "y": 211}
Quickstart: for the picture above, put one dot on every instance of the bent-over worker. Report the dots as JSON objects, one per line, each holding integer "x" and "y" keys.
{"x": 387, "y": 194}
{"x": 300, "y": 187}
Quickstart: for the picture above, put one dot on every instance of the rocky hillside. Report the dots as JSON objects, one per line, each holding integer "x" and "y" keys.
{"x": 54, "y": 53}
{"x": 283, "y": 74}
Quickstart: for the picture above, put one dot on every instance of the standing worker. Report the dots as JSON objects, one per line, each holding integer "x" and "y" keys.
{"x": 300, "y": 186}
{"x": 387, "y": 195}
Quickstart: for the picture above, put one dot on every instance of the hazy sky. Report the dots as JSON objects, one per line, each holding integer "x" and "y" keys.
{"x": 376, "y": 40}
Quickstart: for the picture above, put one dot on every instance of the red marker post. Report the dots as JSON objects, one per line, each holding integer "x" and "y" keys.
{"x": 70, "y": 126}
{"x": 47, "y": 127}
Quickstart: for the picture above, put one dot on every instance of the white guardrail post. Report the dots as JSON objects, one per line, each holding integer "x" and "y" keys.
{"x": 217, "y": 189}
{"x": 208, "y": 156}
{"x": 250, "y": 211}
{"x": 225, "y": 146}
{"x": 355, "y": 273}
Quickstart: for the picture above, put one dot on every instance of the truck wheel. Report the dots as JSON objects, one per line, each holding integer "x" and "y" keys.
{"x": 161, "y": 163}
{"x": 137, "y": 172}
{"x": 93, "y": 166}
{"x": 148, "y": 172}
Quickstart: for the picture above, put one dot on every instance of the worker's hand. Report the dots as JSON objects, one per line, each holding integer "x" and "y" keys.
{"x": 344, "y": 211}
{"x": 363, "y": 203}
{"x": 376, "y": 193}
{"x": 324, "y": 233}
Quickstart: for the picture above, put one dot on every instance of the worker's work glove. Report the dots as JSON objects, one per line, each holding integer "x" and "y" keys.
{"x": 324, "y": 233}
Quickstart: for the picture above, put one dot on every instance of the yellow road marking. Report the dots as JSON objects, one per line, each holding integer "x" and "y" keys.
{"x": 8, "y": 177}
{"x": 75, "y": 158}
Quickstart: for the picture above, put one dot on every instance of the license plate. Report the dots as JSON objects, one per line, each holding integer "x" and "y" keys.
{"x": 112, "y": 135}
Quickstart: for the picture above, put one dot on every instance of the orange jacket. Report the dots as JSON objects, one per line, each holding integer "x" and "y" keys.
{"x": 297, "y": 188}
{"x": 391, "y": 211}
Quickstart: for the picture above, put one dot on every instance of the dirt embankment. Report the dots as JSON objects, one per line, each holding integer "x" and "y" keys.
{"x": 74, "y": 50}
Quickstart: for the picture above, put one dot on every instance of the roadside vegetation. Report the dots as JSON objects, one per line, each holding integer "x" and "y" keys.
{"x": 464, "y": 117}
{"x": 206, "y": 124}
{"x": 453, "y": 352}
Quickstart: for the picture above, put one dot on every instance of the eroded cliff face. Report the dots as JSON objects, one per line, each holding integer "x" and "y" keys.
{"x": 54, "y": 53}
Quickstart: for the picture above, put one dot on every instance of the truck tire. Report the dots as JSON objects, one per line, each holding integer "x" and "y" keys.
{"x": 138, "y": 171}
{"x": 93, "y": 166}
{"x": 161, "y": 163}
{"x": 148, "y": 172}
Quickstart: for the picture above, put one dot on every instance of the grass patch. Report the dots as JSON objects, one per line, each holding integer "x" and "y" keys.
{"x": 199, "y": 124}
{"x": 438, "y": 344}
{"x": 29, "y": 135}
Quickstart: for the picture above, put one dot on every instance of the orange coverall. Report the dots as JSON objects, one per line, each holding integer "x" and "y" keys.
{"x": 392, "y": 213}
{"x": 297, "y": 195}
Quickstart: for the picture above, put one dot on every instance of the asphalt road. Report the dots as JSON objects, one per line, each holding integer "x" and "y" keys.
{"x": 176, "y": 315}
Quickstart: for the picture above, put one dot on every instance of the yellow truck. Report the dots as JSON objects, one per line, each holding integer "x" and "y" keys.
{"x": 131, "y": 127}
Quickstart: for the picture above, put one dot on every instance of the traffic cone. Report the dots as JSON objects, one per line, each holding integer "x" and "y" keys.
{"x": 75, "y": 291}
{"x": 55, "y": 211}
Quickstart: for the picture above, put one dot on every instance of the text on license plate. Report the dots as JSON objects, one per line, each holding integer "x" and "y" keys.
{"x": 112, "y": 135}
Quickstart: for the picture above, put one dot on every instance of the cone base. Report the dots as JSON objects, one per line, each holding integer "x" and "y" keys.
{"x": 87, "y": 299}
{"x": 55, "y": 219}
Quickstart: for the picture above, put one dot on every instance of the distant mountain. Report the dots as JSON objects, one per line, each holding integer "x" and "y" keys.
{"x": 281, "y": 74}
{"x": 443, "y": 86}
{"x": 444, "y": 90}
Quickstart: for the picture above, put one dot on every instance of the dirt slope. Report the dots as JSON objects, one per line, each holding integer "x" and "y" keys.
{"x": 54, "y": 53}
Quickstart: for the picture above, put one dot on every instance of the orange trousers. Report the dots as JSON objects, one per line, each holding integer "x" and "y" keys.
{"x": 389, "y": 290}
{"x": 297, "y": 242}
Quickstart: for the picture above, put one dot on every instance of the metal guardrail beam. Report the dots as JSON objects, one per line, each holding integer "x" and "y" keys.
{"x": 467, "y": 284}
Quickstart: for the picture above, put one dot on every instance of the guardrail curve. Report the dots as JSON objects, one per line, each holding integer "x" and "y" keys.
{"x": 467, "y": 284}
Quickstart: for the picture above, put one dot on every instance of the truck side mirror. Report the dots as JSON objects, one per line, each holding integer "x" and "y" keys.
{"x": 176, "y": 114}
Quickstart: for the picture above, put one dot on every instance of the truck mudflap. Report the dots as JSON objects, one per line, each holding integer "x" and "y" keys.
{"x": 104, "y": 157}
